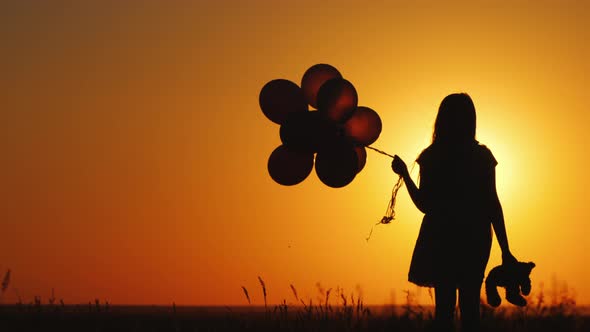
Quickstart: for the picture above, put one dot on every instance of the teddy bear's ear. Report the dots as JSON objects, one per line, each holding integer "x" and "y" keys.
{"x": 524, "y": 269}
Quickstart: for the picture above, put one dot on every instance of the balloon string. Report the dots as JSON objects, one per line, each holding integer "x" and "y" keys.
{"x": 390, "y": 212}
{"x": 380, "y": 151}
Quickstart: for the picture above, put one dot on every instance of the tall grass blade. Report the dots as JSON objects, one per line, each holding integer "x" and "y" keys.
{"x": 246, "y": 293}
{"x": 263, "y": 290}
{"x": 6, "y": 281}
{"x": 294, "y": 292}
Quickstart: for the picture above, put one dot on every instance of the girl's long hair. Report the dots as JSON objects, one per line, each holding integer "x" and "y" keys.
{"x": 455, "y": 121}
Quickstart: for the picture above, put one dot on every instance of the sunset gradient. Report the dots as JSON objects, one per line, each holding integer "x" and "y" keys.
{"x": 133, "y": 163}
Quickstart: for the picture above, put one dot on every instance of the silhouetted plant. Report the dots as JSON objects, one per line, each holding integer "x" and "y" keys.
{"x": 263, "y": 291}
{"x": 294, "y": 292}
{"x": 246, "y": 293}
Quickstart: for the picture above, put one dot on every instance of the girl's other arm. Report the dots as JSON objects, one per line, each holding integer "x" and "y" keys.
{"x": 498, "y": 223}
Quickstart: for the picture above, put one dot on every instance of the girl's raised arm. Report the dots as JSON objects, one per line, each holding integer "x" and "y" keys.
{"x": 417, "y": 196}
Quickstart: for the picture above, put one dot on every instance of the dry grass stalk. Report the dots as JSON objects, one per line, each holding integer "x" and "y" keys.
{"x": 328, "y": 297}
{"x": 246, "y": 293}
{"x": 6, "y": 281}
{"x": 294, "y": 292}
{"x": 263, "y": 290}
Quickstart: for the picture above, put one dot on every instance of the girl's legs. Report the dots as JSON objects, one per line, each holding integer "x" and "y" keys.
{"x": 445, "y": 298}
{"x": 469, "y": 305}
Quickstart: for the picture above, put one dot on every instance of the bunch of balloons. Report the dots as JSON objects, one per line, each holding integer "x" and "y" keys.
{"x": 337, "y": 131}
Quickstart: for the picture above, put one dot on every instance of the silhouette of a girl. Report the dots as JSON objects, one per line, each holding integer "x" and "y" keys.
{"x": 458, "y": 196}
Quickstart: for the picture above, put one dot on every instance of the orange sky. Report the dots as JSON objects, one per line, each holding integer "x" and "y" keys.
{"x": 133, "y": 164}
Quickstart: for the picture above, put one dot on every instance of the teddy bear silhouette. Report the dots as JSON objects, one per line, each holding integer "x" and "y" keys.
{"x": 514, "y": 278}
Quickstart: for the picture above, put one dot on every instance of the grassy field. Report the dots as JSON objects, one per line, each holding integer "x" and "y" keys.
{"x": 342, "y": 312}
{"x": 92, "y": 317}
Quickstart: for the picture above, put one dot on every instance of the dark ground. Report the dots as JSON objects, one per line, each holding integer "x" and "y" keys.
{"x": 276, "y": 318}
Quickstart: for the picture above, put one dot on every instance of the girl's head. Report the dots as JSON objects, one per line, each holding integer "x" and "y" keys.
{"x": 455, "y": 121}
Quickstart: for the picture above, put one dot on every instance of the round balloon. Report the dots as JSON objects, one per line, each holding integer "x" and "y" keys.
{"x": 361, "y": 154}
{"x": 337, "y": 165}
{"x": 338, "y": 99}
{"x": 314, "y": 78}
{"x": 293, "y": 131}
{"x": 289, "y": 167}
{"x": 364, "y": 126}
{"x": 280, "y": 97}
{"x": 308, "y": 131}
